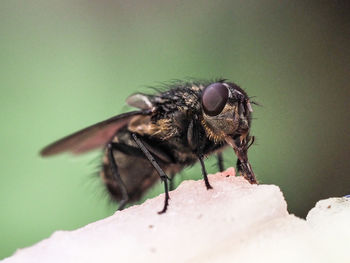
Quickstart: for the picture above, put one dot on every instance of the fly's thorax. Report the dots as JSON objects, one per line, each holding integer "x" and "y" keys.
{"x": 191, "y": 98}
{"x": 162, "y": 129}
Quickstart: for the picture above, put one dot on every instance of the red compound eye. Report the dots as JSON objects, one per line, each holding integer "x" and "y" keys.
{"x": 214, "y": 98}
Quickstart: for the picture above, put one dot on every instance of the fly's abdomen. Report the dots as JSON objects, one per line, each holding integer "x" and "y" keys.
{"x": 137, "y": 174}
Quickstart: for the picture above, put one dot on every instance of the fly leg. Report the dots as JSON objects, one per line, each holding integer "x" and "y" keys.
{"x": 240, "y": 146}
{"x": 204, "y": 172}
{"x": 160, "y": 171}
{"x": 220, "y": 162}
{"x": 116, "y": 176}
{"x": 244, "y": 168}
{"x": 195, "y": 138}
{"x": 171, "y": 183}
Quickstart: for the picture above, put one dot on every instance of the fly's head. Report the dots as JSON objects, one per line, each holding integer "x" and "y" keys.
{"x": 226, "y": 111}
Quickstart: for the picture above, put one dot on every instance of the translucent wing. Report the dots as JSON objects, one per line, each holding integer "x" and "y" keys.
{"x": 92, "y": 137}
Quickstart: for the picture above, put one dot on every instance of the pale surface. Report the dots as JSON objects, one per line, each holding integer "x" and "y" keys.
{"x": 330, "y": 222}
{"x": 234, "y": 222}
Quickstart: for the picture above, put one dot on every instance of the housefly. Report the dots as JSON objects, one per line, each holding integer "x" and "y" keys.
{"x": 171, "y": 130}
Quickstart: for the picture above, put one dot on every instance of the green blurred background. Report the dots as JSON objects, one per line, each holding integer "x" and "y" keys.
{"x": 67, "y": 64}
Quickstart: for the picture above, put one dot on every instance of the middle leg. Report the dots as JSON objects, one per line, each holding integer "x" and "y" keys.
{"x": 204, "y": 172}
{"x": 220, "y": 162}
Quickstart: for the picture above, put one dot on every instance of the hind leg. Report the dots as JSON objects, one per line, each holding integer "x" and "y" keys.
{"x": 156, "y": 166}
{"x": 116, "y": 176}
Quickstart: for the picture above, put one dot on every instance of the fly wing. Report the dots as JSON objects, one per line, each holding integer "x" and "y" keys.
{"x": 92, "y": 137}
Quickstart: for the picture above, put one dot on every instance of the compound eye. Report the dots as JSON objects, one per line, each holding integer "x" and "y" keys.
{"x": 214, "y": 98}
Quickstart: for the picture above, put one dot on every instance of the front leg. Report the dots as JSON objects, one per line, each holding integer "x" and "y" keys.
{"x": 240, "y": 146}
{"x": 245, "y": 169}
{"x": 160, "y": 171}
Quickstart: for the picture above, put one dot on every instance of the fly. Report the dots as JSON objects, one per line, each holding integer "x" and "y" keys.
{"x": 171, "y": 130}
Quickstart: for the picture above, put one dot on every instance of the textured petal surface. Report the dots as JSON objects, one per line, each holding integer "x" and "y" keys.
{"x": 234, "y": 222}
